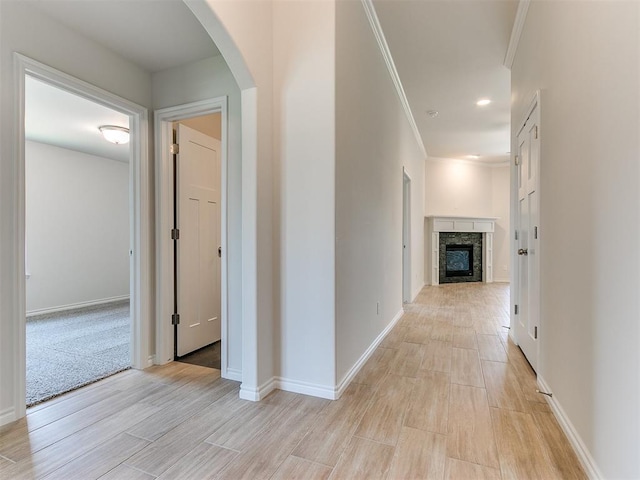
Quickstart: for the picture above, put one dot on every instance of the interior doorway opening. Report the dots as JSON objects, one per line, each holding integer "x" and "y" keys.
{"x": 192, "y": 234}
{"x": 197, "y": 246}
{"x": 78, "y": 322}
{"x": 137, "y": 221}
{"x": 406, "y": 237}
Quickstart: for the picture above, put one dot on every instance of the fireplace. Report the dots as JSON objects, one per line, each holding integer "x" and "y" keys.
{"x": 444, "y": 231}
{"x": 459, "y": 261}
{"x": 460, "y": 257}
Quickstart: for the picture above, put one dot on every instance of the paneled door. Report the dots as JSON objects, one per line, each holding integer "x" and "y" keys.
{"x": 527, "y": 318}
{"x": 198, "y": 222}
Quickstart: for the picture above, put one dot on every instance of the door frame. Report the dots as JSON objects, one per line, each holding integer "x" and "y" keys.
{"x": 139, "y": 211}
{"x": 534, "y": 108}
{"x": 406, "y": 237}
{"x": 163, "y": 119}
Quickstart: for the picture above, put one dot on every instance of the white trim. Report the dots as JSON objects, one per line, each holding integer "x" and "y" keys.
{"x": 417, "y": 291}
{"x": 314, "y": 389}
{"x": 587, "y": 461}
{"x": 306, "y": 388}
{"x": 8, "y": 415}
{"x": 257, "y": 394}
{"x": 346, "y": 380}
{"x": 477, "y": 163}
{"x": 388, "y": 60}
{"x": 234, "y": 374}
{"x": 140, "y": 218}
{"x": 406, "y": 237}
{"x": 516, "y": 32}
{"x": 501, "y": 280}
{"x": 164, "y": 222}
{"x": 74, "y": 306}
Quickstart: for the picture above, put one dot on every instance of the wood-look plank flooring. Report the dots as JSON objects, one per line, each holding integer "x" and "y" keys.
{"x": 445, "y": 396}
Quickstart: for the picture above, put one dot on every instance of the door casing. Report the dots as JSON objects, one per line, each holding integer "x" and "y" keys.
{"x": 406, "y": 237}
{"x": 163, "y": 119}
{"x": 533, "y": 111}
{"x": 139, "y": 208}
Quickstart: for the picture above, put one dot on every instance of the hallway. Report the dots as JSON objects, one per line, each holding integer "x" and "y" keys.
{"x": 446, "y": 395}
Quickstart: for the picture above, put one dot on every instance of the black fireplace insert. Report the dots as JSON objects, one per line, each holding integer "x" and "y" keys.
{"x": 459, "y": 261}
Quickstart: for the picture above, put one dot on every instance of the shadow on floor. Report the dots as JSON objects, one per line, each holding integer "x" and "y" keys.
{"x": 208, "y": 356}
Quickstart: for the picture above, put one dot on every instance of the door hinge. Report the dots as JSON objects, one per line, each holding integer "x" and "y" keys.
{"x": 516, "y": 234}
{"x": 516, "y": 309}
{"x": 175, "y": 319}
{"x": 219, "y": 252}
{"x": 174, "y": 149}
{"x": 535, "y": 332}
{"x": 535, "y": 132}
{"x": 535, "y": 232}
{"x": 517, "y": 159}
{"x": 175, "y": 234}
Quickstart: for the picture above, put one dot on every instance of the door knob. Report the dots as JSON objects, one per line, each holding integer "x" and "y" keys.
{"x": 523, "y": 251}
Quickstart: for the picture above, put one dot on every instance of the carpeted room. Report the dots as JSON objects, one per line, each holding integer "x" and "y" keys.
{"x": 77, "y": 244}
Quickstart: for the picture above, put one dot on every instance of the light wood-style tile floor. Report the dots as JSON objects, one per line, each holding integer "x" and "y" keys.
{"x": 445, "y": 396}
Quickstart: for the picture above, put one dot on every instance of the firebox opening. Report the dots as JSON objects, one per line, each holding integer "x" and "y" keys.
{"x": 459, "y": 261}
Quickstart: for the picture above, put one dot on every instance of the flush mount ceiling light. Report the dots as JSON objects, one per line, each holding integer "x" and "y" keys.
{"x": 473, "y": 157}
{"x": 483, "y": 102}
{"x": 433, "y": 113}
{"x": 115, "y": 134}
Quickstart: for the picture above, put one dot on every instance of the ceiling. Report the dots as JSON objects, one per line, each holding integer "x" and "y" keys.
{"x": 154, "y": 34}
{"x": 66, "y": 120}
{"x": 449, "y": 54}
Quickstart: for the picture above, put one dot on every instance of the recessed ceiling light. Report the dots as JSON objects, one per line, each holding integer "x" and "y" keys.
{"x": 483, "y": 101}
{"x": 433, "y": 113}
{"x": 474, "y": 157}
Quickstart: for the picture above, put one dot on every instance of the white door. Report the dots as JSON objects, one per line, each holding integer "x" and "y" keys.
{"x": 527, "y": 317}
{"x": 198, "y": 221}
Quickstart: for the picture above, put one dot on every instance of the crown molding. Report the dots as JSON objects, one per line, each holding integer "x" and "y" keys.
{"x": 516, "y": 32}
{"x": 391, "y": 67}
{"x": 465, "y": 161}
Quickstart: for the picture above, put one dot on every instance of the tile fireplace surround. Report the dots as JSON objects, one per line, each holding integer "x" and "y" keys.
{"x": 437, "y": 224}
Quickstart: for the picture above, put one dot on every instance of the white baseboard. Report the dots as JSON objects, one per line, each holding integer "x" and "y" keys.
{"x": 73, "y": 306}
{"x": 587, "y": 461}
{"x": 305, "y": 388}
{"x": 501, "y": 279}
{"x": 257, "y": 394}
{"x": 313, "y": 389}
{"x": 151, "y": 361}
{"x": 8, "y": 415}
{"x": 233, "y": 374}
{"x": 346, "y": 380}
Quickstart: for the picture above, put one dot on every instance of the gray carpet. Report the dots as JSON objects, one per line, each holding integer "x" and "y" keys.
{"x": 74, "y": 348}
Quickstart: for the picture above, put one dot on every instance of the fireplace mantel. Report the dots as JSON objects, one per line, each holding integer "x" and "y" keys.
{"x": 442, "y": 223}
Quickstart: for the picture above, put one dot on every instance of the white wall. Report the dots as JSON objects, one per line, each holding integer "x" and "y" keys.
{"x": 501, "y": 183}
{"x": 25, "y": 30}
{"x": 243, "y": 31}
{"x": 202, "y": 80}
{"x": 304, "y": 167}
{"x": 77, "y": 227}
{"x": 463, "y": 188}
{"x": 585, "y": 59}
{"x": 373, "y": 142}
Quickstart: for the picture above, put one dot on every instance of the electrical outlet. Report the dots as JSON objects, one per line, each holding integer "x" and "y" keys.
{"x": 504, "y": 267}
